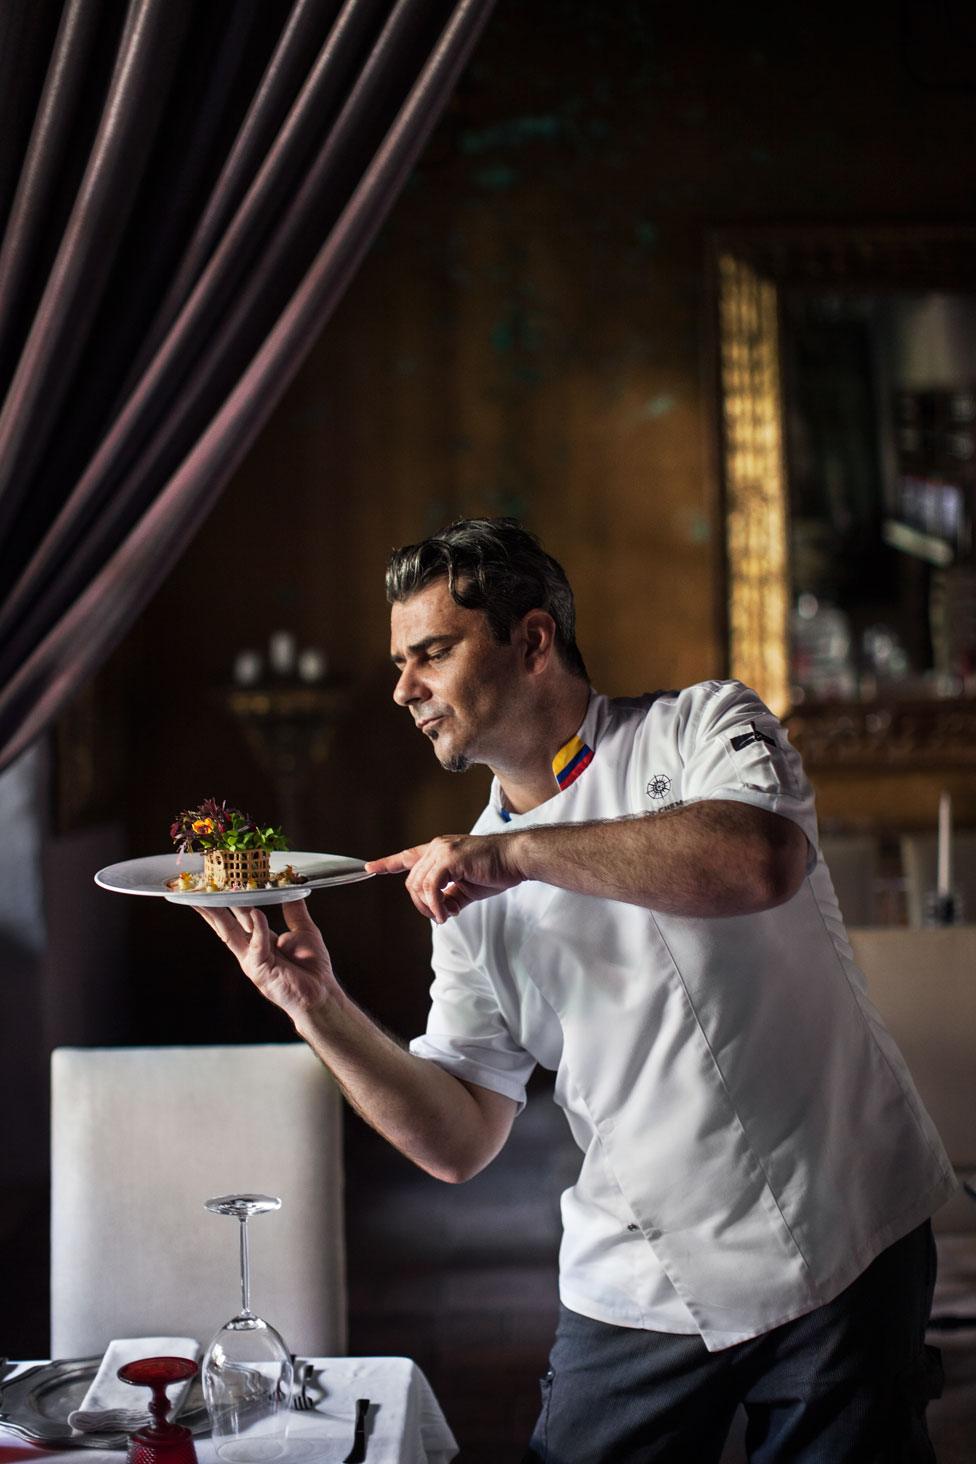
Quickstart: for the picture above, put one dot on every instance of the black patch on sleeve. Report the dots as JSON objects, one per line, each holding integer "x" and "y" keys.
{"x": 746, "y": 738}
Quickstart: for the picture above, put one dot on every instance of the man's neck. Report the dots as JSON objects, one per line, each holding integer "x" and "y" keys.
{"x": 530, "y": 780}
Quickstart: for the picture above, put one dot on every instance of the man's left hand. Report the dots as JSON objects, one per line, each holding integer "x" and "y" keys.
{"x": 453, "y": 870}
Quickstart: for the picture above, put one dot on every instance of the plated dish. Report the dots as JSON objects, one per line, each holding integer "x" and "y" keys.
{"x": 236, "y": 850}
{"x": 153, "y": 875}
{"x": 35, "y": 1405}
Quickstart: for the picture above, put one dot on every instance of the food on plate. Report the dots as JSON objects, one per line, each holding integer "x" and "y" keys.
{"x": 236, "y": 851}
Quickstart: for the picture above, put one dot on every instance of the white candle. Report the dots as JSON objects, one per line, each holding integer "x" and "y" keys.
{"x": 311, "y": 664}
{"x": 247, "y": 668}
{"x": 281, "y": 652}
{"x": 944, "y": 876}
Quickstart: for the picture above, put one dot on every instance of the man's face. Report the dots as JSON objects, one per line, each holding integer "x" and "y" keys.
{"x": 460, "y": 686}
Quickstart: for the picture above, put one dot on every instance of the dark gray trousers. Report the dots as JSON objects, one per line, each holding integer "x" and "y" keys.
{"x": 845, "y": 1384}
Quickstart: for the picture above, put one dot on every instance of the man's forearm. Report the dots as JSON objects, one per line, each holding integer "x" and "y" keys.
{"x": 713, "y": 858}
{"x": 425, "y": 1112}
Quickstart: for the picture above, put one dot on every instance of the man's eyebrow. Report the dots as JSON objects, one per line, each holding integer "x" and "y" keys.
{"x": 418, "y": 647}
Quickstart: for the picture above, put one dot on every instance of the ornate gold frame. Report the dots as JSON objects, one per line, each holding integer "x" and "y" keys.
{"x": 754, "y": 481}
{"x": 749, "y": 269}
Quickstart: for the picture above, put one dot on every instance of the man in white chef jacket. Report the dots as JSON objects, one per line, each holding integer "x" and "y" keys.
{"x": 641, "y": 908}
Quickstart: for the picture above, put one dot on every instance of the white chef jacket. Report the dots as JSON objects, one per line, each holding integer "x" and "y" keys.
{"x": 751, "y": 1136}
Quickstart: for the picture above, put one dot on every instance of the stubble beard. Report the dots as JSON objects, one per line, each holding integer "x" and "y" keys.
{"x": 456, "y": 764}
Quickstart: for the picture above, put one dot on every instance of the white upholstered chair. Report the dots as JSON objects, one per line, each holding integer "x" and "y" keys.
{"x": 140, "y": 1138}
{"x": 923, "y": 983}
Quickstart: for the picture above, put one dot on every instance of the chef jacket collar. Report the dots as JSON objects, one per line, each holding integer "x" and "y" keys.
{"x": 572, "y": 759}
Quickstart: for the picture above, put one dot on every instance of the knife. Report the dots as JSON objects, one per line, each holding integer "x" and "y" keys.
{"x": 357, "y": 1454}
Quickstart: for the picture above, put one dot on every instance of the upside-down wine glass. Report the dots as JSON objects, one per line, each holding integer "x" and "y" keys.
{"x": 160, "y": 1442}
{"x": 247, "y": 1372}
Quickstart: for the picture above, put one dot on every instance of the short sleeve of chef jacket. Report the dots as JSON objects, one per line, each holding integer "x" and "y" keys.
{"x": 466, "y": 1030}
{"x": 732, "y": 747}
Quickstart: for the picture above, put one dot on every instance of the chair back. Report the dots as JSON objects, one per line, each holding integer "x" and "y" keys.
{"x": 141, "y": 1137}
{"x": 923, "y": 983}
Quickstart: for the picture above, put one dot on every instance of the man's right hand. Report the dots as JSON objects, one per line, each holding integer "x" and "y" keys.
{"x": 451, "y": 1128}
{"x": 293, "y": 969}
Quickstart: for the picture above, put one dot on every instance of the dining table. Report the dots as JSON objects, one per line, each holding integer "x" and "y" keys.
{"x": 404, "y": 1422}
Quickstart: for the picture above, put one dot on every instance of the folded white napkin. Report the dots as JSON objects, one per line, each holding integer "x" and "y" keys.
{"x": 112, "y": 1406}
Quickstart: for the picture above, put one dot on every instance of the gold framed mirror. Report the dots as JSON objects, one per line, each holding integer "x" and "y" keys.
{"x": 763, "y": 282}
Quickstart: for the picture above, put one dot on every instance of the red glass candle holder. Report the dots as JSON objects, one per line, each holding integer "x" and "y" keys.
{"x": 160, "y": 1440}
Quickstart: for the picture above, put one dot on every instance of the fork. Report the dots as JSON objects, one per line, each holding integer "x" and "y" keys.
{"x": 300, "y": 1400}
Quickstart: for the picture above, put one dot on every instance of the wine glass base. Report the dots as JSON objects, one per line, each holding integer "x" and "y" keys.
{"x": 179, "y": 1451}
{"x": 251, "y": 1451}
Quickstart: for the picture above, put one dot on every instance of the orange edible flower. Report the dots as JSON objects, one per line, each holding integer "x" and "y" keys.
{"x": 203, "y": 826}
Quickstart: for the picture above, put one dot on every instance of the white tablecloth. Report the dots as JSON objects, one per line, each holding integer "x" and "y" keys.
{"x": 406, "y": 1425}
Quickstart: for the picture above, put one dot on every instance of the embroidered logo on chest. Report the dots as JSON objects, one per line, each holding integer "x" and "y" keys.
{"x": 659, "y": 786}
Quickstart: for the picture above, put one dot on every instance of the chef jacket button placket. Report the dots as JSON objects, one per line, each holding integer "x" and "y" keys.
{"x": 650, "y": 1235}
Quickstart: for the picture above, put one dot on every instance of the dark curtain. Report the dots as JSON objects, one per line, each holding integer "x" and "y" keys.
{"x": 185, "y": 192}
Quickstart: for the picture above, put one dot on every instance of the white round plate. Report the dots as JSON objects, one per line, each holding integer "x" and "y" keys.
{"x": 148, "y": 877}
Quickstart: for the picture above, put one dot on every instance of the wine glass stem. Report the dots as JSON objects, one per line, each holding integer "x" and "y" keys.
{"x": 159, "y": 1404}
{"x": 245, "y": 1269}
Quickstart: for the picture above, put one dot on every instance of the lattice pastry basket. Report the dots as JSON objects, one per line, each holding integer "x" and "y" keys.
{"x": 235, "y": 869}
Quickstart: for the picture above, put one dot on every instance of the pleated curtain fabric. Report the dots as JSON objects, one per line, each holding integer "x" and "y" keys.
{"x": 187, "y": 190}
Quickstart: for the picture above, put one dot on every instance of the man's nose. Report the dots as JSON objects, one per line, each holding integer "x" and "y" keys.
{"x": 407, "y": 688}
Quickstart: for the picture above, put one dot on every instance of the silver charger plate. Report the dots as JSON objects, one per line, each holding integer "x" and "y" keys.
{"x": 35, "y": 1405}
{"x": 148, "y": 876}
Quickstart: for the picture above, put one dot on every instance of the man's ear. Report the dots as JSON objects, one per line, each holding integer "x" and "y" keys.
{"x": 538, "y": 632}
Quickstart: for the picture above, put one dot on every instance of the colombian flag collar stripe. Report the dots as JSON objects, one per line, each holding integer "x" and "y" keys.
{"x": 570, "y": 761}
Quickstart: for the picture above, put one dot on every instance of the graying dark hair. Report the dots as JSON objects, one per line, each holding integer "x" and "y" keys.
{"x": 496, "y": 566}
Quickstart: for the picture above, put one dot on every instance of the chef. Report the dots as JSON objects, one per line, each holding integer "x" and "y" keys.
{"x": 642, "y": 909}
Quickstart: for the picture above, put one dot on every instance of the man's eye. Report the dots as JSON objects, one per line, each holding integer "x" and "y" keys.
{"x": 439, "y": 655}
